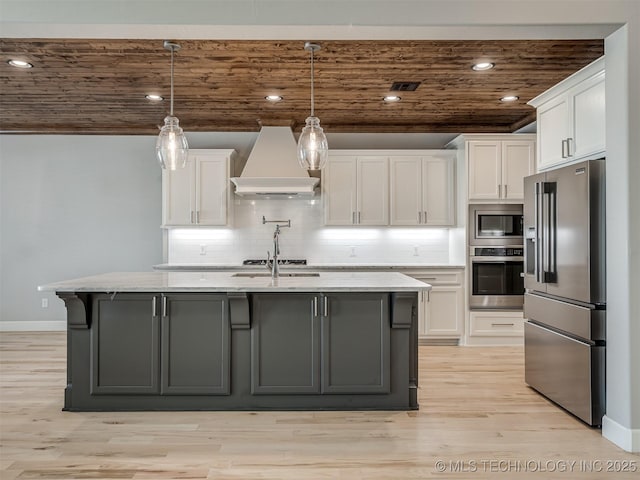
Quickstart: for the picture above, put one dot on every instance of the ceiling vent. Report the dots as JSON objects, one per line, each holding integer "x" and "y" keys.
{"x": 404, "y": 86}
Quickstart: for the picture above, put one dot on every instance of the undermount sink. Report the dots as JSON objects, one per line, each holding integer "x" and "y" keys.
{"x": 258, "y": 275}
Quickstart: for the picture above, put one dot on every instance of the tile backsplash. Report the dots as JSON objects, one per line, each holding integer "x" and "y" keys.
{"x": 308, "y": 238}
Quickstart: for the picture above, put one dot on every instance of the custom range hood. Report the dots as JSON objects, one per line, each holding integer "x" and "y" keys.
{"x": 272, "y": 167}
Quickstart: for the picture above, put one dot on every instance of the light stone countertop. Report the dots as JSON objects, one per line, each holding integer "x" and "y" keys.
{"x": 227, "y": 282}
{"x": 222, "y": 267}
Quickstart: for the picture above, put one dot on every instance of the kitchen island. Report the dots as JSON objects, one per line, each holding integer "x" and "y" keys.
{"x": 241, "y": 341}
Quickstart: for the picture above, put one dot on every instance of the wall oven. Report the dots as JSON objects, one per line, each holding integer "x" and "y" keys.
{"x": 495, "y": 225}
{"x": 497, "y": 278}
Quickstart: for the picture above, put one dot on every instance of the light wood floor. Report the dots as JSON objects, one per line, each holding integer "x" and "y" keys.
{"x": 477, "y": 420}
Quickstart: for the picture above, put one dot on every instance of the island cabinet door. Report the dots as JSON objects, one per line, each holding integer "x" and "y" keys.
{"x": 356, "y": 343}
{"x": 124, "y": 344}
{"x": 195, "y": 350}
{"x": 285, "y": 340}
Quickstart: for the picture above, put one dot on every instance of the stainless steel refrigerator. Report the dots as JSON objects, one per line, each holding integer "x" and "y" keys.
{"x": 565, "y": 297}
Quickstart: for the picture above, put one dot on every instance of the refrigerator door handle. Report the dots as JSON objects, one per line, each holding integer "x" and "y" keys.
{"x": 538, "y": 258}
{"x": 549, "y": 234}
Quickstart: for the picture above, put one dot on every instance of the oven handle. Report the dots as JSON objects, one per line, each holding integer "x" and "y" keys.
{"x": 496, "y": 259}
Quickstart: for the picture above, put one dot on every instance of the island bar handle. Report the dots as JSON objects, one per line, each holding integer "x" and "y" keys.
{"x": 314, "y": 306}
{"x": 154, "y": 308}
{"x": 326, "y": 306}
{"x": 164, "y": 306}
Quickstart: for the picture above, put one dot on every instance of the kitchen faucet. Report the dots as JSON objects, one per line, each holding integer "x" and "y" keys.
{"x": 272, "y": 263}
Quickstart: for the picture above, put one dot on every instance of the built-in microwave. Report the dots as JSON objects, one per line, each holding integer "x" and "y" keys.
{"x": 495, "y": 225}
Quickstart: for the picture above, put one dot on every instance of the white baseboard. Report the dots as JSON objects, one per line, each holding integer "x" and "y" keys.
{"x": 35, "y": 326}
{"x": 626, "y": 438}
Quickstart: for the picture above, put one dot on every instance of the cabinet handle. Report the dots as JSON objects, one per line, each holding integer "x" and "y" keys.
{"x": 419, "y": 217}
{"x": 164, "y": 306}
{"x": 326, "y": 306}
{"x": 191, "y": 216}
{"x": 505, "y": 191}
{"x": 500, "y": 191}
{"x": 569, "y": 140}
{"x": 198, "y": 217}
{"x": 314, "y": 306}
{"x": 154, "y": 307}
{"x": 353, "y": 218}
{"x": 502, "y": 324}
{"x": 358, "y": 218}
{"x": 564, "y": 142}
{"x": 425, "y": 216}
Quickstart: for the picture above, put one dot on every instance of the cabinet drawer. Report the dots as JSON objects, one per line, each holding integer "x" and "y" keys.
{"x": 496, "y": 324}
{"x": 439, "y": 277}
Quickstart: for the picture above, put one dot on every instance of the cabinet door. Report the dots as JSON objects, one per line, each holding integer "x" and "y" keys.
{"x": 518, "y": 159}
{"x": 195, "y": 344}
{"x": 588, "y": 109}
{"x": 339, "y": 191}
{"x": 553, "y": 128}
{"x": 124, "y": 344}
{"x": 373, "y": 191}
{"x": 212, "y": 189}
{"x": 356, "y": 343}
{"x": 484, "y": 169}
{"x": 437, "y": 191}
{"x": 285, "y": 341}
{"x": 179, "y": 206}
{"x": 406, "y": 190}
{"x": 445, "y": 311}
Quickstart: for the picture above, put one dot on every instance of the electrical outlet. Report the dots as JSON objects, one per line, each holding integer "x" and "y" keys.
{"x": 352, "y": 252}
{"x": 203, "y": 249}
{"x": 416, "y": 253}
{"x": 45, "y": 303}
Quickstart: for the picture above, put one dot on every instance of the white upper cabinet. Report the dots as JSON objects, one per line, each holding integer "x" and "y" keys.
{"x": 485, "y": 169}
{"x": 356, "y": 190}
{"x": 372, "y": 191}
{"x": 497, "y": 166}
{"x": 199, "y": 193}
{"x": 422, "y": 190}
{"x": 517, "y": 162}
{"x": 571, "y": 118}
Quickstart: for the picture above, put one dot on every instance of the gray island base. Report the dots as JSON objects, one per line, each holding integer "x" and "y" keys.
{"x": 225, "y": 341}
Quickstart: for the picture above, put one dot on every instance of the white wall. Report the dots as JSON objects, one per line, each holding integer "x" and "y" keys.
{"x": 72, "y": 206}
{"x": 622, "y": 421}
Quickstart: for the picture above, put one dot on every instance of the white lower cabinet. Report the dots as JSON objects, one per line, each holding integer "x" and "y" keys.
{"x": 496, "y": 324}
{"x": 440, "y": 311}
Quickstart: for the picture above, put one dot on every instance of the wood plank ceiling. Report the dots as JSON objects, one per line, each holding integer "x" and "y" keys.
{"x": 99, "y": 86}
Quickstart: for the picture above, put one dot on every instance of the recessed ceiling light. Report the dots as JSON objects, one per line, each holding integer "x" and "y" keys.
{"x": 478, "y": 67}
{"x": 19, "y": 63}
{"x": 273, "y": 98}
{"x": 392, "y": 98}
{"x": 153, "y": 97}
{"x": 509, "y": 98}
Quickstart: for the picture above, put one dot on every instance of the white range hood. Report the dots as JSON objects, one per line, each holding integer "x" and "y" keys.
{"x": 272, "y": 167}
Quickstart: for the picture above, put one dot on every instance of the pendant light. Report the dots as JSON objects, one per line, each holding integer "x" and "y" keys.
{"x": 313, "y": 148}
{"x": 171, "y": 146}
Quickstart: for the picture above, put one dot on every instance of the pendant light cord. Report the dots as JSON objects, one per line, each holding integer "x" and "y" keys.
{"x": 172, "y": 49}
{"x": 312, "y": 93}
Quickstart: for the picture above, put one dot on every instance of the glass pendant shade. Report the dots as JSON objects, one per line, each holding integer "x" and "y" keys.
{"x": 171, "y": 147}
{"x": 313, "y": 148}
